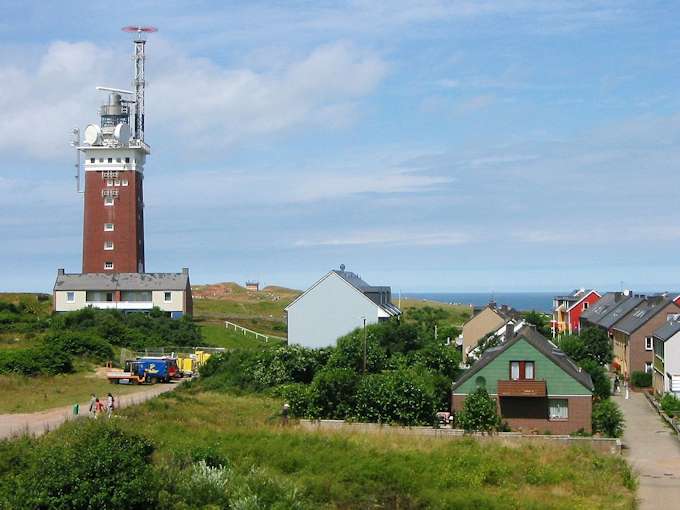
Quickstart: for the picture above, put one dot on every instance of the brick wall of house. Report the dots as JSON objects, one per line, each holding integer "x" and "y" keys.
{"x": 580, "y": 413}
{"x": 637, "y": 353}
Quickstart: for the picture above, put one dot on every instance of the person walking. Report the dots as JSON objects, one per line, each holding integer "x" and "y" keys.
{"x": 284, "y": 413}
{"x": 109, "y": 405}
{"x": 99, "y": 408}
{"x": 93, "y": 406}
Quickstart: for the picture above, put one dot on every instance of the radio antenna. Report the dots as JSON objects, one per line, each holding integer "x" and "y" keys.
{"x": 139, "y": 82}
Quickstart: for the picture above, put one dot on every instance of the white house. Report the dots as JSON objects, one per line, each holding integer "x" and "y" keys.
{"x": 335, "y": 305}
{"x": 127, "y": 292}
{"x": 667, "y": 358}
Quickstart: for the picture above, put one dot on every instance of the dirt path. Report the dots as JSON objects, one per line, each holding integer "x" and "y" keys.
{"x": 44, "y": 421}
{"x": 654, "y": 452}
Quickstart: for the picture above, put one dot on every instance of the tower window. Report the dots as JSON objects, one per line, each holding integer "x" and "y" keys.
{"x": 108, "y": 265}
{"x": 109, "y": 182}
{"x": 116, "y": 182}
{"x": 110, "y": 160}
{"x": 124, "y": 182}
{"x": 108, "y": 245}
{"x": 108, "y": 201}
{"x": 108, "y": 227}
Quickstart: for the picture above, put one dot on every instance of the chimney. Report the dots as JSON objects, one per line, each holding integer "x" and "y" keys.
{"x": 60, "y": 271}
{"x": 509, "y": 330}
{"x": 185, "y": 270}
{"x": 627, "y": 292}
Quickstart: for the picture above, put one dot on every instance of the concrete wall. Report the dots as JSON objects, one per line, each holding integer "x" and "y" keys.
{"x": 328, "y": 311}
{"x": 61, "y": 304}
{"x": 176, "y": 303}
{"x": 479, "y": 326}
{"x": 600, "y": 444}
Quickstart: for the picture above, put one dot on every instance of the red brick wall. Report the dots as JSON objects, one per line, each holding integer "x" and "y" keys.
{"x": 580, "y": 413}
{"x": 637, "y": 355}
{"x": 127, "y": 215}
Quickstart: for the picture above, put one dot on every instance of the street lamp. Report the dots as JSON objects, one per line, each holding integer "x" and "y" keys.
{"x": 364, "y": 319}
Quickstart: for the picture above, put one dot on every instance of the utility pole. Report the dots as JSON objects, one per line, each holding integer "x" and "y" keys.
{"x": 364, "y": 318}
{"x": 435, "y": 332}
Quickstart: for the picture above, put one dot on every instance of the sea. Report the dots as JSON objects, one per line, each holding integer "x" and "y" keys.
{"x": 523, "y": 301}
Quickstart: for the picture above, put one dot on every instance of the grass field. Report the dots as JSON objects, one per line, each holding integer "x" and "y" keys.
{"x": 371, "y": 471}
{"x": 20, "y": 394}
{"x": 218, "y": 336}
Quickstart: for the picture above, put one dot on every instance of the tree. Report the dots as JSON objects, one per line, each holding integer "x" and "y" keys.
{"x": 349, "y": 353}
{"x": 599, "y": 376}
{"x": 608, "y": 418}
{"x": 480, "y": 413}
{"x": 597, "y": 345}
{"x": 540, "y": 320}
{"x": 573, "y": 346}
{"x": 333, "y": 392}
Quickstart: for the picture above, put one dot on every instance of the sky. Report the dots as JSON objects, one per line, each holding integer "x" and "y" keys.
{"x": 502, "y": 145}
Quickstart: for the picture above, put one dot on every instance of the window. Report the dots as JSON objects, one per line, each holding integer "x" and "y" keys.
{"x": 118, "y": 160}
{"x": 101, "y": 160}
{"x": 127, "y": 160}
{"x": 91, "y": 160}
{"x": 520, "y": 370}
{"x": 558, "y": 408}
{"x": 167, "y": 297}
{"x": 649, "y": 343}
{"x": 110, "y": 160}
{"x": 124, "y": 182}
{"x": 109, "y": 182}
{"x": 108, "y": 245}
{"x": 585, "y": 305}
{"x": 70, "y": 297}
{"x": 108, "y": 227}
{"x": 108, "y": 201}
{"x": 648, "y": 367}
{"x": 108, "y": 265}
{"x": 116, "y": 182}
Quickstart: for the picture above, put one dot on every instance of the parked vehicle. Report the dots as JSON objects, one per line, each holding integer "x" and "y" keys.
{"x": 163, "y": 364}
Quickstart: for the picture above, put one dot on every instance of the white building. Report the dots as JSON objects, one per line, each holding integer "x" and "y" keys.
{"x": 334, "y": 306}
{"x": 666, "y": 362}
{"x": 127, "y": 292}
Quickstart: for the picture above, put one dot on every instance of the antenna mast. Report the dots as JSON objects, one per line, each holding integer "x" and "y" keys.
{"x": 139, "y": 82}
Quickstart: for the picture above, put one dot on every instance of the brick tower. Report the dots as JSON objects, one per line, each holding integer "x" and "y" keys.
{"x": 114, "y": 152}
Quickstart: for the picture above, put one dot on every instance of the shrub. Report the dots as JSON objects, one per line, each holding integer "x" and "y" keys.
{"x": 230, "y": 370}
{"x": 89, "y": 465}
{"x": 333, "y": 392}
{"x": 641, "y": 379}
{"x": 670, "y": 405}
{"x": 298, "y": 397}
{"x": 81, "y": 343}
{"x": 608, "y": 418}
{"x": 479, "y": 414}
{"x": 400, "y": 396}
{"x": 46, "y": 359}
{"x": 287, "y": 364}
{"x": 349, "y": 352}
{"x": 573, "y": 346}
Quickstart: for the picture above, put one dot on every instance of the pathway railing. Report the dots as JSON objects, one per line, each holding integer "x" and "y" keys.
{"x": 245, "y": 331}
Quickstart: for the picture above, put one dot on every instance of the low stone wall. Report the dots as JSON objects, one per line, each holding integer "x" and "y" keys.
{"x": 600, "y": 444}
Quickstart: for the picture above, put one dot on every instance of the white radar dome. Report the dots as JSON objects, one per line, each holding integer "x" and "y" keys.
{"x": 93, "y": 134}
{"x": 122, "y": 133}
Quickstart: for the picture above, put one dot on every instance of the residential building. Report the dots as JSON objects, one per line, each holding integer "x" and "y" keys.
{"x": 253, "y": 286}
{"x": 633, "y": 340}
{"x": 666, "y": 378}
{"x": 506, "y": 331}
{"x": 535, "y": 385}
{"x": 610, "y": 308}
{"x": 567, "y": 310}
{"x": 127, "y": 292}
{"x": 334, "y": 306}
{"x": 484, "y": 322}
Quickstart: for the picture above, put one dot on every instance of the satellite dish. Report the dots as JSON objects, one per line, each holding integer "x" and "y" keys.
{"x": 93, "y": 134}
{"x": 120, "y": 133}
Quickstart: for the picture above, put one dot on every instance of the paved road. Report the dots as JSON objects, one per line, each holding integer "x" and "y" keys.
{"x": 44, "y": 421}
{"x": 654, "y": 452}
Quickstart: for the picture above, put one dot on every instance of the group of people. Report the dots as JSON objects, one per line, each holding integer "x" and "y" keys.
{"x": 97, "y": 407}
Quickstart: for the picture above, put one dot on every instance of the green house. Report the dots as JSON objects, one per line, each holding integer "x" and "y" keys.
{"x": 536, "y": 386}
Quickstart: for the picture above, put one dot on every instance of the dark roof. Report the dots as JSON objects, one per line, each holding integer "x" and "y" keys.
{"x": 619, "y": 311}
{"x": 603, "y": 306}
{"x": 666, "y": 331}
{"x": 353, "y": 279}
{"x": 575, "y": 296}
{"x": 543, "y": 345}
{"x": 122, "y": 281}
{"x": 642, "y": 313}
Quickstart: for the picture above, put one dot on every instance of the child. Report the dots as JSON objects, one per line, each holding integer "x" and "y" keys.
{"x": 109, "y": 405}
{"x": 93, "y": 406}
{"x": 99, "y": 408}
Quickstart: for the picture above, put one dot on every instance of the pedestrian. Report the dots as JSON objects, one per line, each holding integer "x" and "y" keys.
{"x": 284, "y": 413}
{"x": 109, "y": 405}
{"x": 93, "y": 406}
{"x": 99, "y": 408}
{"x": 616, "y": 384}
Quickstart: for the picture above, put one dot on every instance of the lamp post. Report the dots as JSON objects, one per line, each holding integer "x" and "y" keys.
{"x": 364, "y": 319}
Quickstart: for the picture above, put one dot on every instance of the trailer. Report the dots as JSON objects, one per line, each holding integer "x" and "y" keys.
{"x": 123, "y": 377}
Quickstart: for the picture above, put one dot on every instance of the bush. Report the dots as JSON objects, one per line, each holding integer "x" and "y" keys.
{"x": 400, "y": 396}
{"x": 608, "y": 419}
{"x": 599, "y": 377}
{"x": 90, "y": 465}
{"x": 333, "y": 393}
{"x": 81, "y": 343}
{"x": 349, "y": 352}
{"x": 47, "y": 360}
{"x": 641, "y": 379}
{"x": 479, "y": 414}
{"x": 670, "y": 405}
{"x": 298, "y": 397}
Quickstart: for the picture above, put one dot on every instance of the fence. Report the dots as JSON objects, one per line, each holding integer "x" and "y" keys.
{"x": 600, "y": 444}
{"x": 245, "y": 331}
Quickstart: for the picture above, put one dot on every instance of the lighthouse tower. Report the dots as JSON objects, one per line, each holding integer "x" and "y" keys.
{"x": 114, "y": 154}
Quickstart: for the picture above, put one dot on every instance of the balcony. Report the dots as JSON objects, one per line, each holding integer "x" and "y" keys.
{"x": 522, "y": 388}
{"x": 121, "y": 305}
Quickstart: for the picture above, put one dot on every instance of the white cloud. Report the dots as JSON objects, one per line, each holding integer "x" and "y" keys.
{"x": 191, "y": 99}
{"x": 389, "y": 238}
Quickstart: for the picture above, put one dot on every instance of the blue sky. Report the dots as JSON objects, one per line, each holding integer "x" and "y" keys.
{"x": 431, "y": 146}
